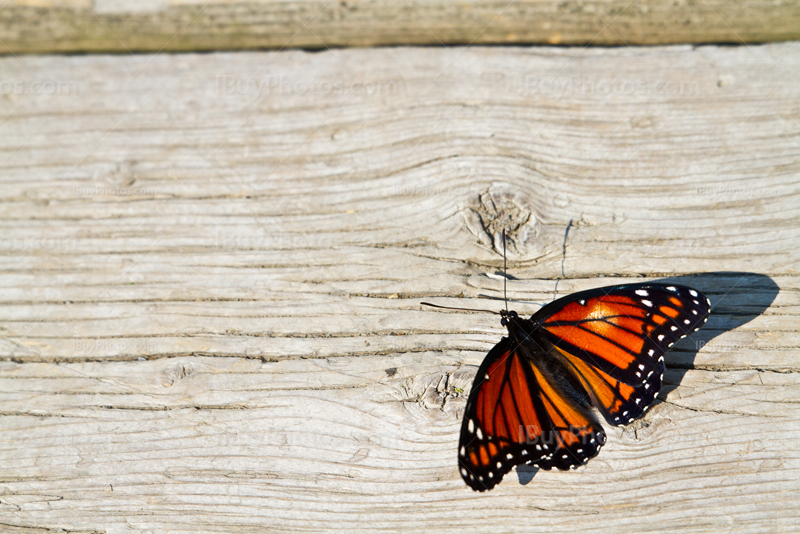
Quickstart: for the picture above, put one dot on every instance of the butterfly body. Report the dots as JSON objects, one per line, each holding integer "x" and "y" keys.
{"x": 534, "y": 397}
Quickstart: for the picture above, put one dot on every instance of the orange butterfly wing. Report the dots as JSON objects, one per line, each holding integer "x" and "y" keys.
{"x": 614, "y": 339}
{"x": 517, "y": 414}
{"x": 619, "y": 403}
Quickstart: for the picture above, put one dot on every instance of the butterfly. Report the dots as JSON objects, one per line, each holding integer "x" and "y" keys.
{"x": 533, "y": 396}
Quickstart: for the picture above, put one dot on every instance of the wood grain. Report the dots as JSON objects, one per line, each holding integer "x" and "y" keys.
{"x": 68, "y": 26}
{"x": 212, "y": 267}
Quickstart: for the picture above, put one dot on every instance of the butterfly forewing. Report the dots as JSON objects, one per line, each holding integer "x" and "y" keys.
{"x": 623, "y": 331}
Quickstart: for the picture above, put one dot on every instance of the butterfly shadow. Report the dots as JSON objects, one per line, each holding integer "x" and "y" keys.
{"x": 736, "y": 299}
{"x": 526, "y": 472}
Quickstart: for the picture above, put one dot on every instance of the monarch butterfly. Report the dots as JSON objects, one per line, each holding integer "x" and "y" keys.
{"x": 531, "y": 399}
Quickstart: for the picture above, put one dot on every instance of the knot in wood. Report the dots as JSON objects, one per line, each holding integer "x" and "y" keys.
{"x": 501, "y": 209}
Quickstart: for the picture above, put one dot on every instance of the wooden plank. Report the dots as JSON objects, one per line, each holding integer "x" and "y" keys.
{"x": 212, "y": 268}
{"x": 47, "y": 26}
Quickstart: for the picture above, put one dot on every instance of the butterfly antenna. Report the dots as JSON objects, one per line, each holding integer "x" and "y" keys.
{"x": 505, "y": 271}
{"x": 563, "y": 258}
{"x": 459, "y": 309}
{"x": 505, "y": 292}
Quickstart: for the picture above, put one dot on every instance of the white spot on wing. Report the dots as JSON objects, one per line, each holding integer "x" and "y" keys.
{"x": 647, "y": 303}
{"x": 471, "y": 426}
{"x": 692, "y": 292}
{"x": 642, "y": 292}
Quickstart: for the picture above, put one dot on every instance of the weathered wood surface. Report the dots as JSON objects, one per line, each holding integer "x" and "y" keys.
{"x": 42, "y": 26}
{"x": 212, "y": 268}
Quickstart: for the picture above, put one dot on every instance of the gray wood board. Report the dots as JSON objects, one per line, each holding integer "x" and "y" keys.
{"x": 213, "y": 264}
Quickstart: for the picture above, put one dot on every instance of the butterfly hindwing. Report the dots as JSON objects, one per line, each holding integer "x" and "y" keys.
{"x": 575, "y": 435}
{"x": 619, "y": 403}
{"x": 516, "y": 414}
